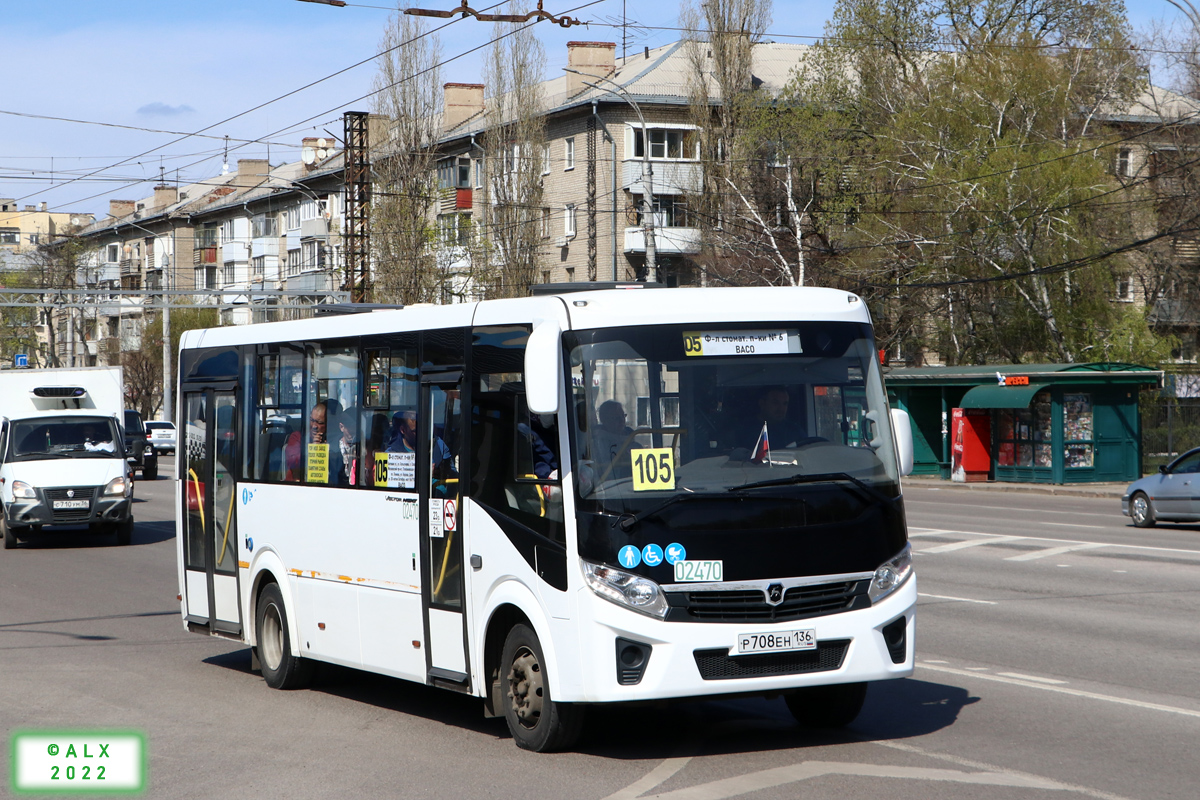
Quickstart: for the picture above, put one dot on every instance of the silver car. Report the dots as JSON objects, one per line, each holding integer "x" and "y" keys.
{"x": 1171, "y": 495}
{"x": 161, "y": 436}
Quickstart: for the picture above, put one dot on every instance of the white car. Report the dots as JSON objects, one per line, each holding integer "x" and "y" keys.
{"x": 161, "y": 436}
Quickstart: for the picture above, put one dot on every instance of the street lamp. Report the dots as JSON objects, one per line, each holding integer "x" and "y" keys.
{"x": 168, "y": 394}
{"x": 647, "y": 168}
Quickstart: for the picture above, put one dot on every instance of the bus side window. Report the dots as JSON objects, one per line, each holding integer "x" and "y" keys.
{"x": 515, "y": 456}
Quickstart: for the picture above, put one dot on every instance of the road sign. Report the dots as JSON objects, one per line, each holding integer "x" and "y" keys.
{"x": 21, "y": 360}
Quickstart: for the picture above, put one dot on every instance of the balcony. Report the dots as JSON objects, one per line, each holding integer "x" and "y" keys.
{"x": 670, "y": 177}
{"x": 204, "y": 255}
{"x": 316, "y": 228}
{"x": 667, "y": 241}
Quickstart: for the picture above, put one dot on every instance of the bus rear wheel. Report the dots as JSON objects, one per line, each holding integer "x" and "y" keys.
{"x": 535, "y": 720}
{"x": 827, "y": 706}
{"x": 280, "y": 669}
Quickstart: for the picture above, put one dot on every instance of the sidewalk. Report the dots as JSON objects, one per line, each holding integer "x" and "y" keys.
{"x": 1112, "y": 490}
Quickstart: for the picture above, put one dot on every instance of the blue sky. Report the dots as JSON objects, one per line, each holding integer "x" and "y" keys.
{"x": 185, "y": 66}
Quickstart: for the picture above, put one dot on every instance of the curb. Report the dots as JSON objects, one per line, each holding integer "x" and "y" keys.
{"x": 1108, "y": 490}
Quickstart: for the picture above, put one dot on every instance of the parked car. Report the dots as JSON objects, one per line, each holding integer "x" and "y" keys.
{"x": 138, "y": 450}
{"x": 1170, "y": 495}
{"x": 161, "y": 435}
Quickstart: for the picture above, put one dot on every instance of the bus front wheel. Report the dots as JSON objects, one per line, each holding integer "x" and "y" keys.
{"x": 280, "y": 669}
{"x": 535, "y": 720}
{"x": 827, "y": 706}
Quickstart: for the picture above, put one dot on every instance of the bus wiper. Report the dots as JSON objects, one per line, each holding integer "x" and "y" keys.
{"x": 625, "y": 522}
{"x": 815, "y": 478}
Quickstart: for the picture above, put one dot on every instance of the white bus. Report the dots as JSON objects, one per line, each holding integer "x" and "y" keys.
{"x": 552, "y": 502}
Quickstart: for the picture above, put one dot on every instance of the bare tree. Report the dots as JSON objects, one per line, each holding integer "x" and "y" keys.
{"x": 408, "y": 93}
{"x": 515, "y": 144}
{"x": 745, "y": 240}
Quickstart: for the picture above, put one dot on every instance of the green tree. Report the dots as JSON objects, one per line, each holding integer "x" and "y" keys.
{"x": 144, "y": 367}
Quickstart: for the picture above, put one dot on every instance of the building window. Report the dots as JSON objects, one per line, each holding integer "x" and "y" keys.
{"x": 545, "y": 276}
{"x": 291, "y": 217}
{"x": 545, "y": 223}
{"x": 293, "y": 262}
{"x": 258, "y": 265}
{"x": 314, "y": 209}
{"x": 312, "y": 255}
{"x": 668, "y": 143}
{"x": 479, "y": 173}
{"x": 1124, "y": 162}
{"x": 1125, "y": 289}
{"x": 10, "y": 236}
{"x": 545, "y": 159}
{"x": 227, "y": 231}
{"x": 570, "y": 274}
{"x": 263, "y": 226}
{"x": 112, "y": 253}
{"x": 670, "y": 211}
{"x": 569, "y": 154}
{"x": 206, "y": 277}
{"x": 569, "y": 220}
{"x": 454, "y": 173}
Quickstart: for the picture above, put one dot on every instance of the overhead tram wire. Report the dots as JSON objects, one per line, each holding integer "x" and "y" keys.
{"x": 341, "y": 105}
{"x": 264, "y": 104}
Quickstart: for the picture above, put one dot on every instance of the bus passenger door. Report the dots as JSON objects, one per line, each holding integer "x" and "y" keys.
{"x": 440, "y": 433}
{"x": 210, "y": 536}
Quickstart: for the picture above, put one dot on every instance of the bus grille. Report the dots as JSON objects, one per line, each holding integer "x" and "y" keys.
{"x": 719, "y": 665}
{"x": 71, "y": 514}
{"x": 751, "y": 605}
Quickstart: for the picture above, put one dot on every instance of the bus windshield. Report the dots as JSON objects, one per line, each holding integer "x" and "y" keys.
{"x": 710, "y": 427}
{"x": 64, "y": 437}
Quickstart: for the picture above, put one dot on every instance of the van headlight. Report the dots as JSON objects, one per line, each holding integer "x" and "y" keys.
{"x": 116, "y": 486}
{"x": 23, "y": 491}
{"x": 891, "y": 575}
{"x": 625, "y": 589}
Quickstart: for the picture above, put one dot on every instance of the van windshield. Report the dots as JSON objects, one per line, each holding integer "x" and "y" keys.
{"x": 64, "y": 437}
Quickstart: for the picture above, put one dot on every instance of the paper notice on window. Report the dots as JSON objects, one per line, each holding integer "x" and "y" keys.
{"x": 318, "y": 463}
{"x": 396, "y": 470}
{"x": 436, "y": 529}
{"x": 740, "y": 343}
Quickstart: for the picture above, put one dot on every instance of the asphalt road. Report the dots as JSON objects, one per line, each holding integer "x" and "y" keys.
{"x": 1057, "y": 658}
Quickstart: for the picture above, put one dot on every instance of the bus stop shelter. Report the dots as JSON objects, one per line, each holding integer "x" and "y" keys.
{"x": 1025, "y": 423}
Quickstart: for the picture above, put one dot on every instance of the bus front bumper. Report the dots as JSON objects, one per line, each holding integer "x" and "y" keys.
{"x": 697, "y": 659}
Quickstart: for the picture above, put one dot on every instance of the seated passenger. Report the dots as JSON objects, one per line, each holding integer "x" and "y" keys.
{"x": 772, "y": 415}
{"x": 611, "y": 440}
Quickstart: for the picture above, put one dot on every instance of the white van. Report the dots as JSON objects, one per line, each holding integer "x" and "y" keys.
{"x": 62, "y": 452}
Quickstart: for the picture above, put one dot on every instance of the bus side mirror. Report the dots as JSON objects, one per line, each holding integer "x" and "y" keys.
{"x": 902, "y": 430}
{"x": 543, "y": 365}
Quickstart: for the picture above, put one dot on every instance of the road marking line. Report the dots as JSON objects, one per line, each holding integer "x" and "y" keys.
{"x": 956, "y": 599}
{"x": 654, "y": 777}
{"x": 976, "y": 669}
{"x": 949, "y": 548}
{"x": 1054, "y": 551}
{"x": 985, "y": 767}
{"x": 1125, "y": 701}
{"x": 1024, "y": 677}
{"x": 780, "y": 776}
{"x": 1075, "y": 525}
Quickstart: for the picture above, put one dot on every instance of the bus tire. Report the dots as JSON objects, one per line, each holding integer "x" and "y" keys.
{"x": 827, "y": 706}
{"x": 1141, "y": 511}
{"x": 125, "y": 532}
{"x": 535, "y": 720}
{"x": 280, "y": 669}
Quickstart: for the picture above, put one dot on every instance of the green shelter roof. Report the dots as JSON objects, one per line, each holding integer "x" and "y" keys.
{"x": 1040, "y": 375}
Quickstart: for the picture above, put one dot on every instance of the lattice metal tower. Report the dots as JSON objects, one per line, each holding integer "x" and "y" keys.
{"x": 357, "y": 244}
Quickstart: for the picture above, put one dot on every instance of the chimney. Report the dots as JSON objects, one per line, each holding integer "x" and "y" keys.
{"x": 121, "y": 208}
{"x": 165, "y": 196}
{"x": 42, "y": 206}
{"x": 592, "y": 58}
{"x": 461, "y": 102}
{"x": 249, "y": 169}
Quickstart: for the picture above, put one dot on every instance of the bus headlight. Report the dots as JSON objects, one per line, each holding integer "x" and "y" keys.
{"x": 116, "y": 486}
{"x": 891, "y": 575}
{"x": 23, "y": 491}
{"x": 625, "y": 589}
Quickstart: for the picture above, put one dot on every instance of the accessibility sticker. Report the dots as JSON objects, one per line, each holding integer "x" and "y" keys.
{"x": 675, "y": 552}
{"x": 652, "y": 554}
{"x": 629, "y": 556}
